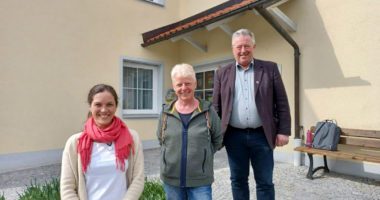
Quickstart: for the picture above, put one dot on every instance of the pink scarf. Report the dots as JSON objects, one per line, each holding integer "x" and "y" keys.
{"x": 116, "y": 132}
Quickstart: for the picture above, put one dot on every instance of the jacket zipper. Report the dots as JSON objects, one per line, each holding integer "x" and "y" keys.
{"x": 204, "y": 160}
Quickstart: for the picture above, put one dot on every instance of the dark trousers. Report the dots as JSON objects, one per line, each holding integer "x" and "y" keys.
{"x": 243, "y": 146}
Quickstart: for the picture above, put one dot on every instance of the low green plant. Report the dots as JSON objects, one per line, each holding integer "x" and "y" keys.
{"x": 2, "y": 196}
{"x": 47, "y": 191}
{"x": 153, "y": 190}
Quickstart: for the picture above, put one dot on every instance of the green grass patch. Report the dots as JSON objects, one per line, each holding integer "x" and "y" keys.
{"x": 2, "y": 197}
{"x": 153, "y": 190}
{"x": 47, "y": 191}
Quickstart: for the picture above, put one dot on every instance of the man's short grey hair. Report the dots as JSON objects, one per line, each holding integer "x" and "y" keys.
{"x": 183, "y": 70}
{"x": 244, "y": 32}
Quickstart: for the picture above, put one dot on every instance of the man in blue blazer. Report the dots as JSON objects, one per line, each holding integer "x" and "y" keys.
{"x": 251, "y": 100}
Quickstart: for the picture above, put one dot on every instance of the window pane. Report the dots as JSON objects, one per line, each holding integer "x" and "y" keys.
{"x": 209, "y": 80}
{"x": 130, "y": 99}
{"x": 208, "y": 94}
{"x": 199, "y": 94}
{"x": 205, "y": 84}
{"x": 145, "y": 78}
{"x": 199, "y": 77}
{"x": 130, "y": 77}
{"x": 145, "y": 99}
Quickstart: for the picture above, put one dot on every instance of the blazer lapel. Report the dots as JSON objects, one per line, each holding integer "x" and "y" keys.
{"x": 258, "y": 73}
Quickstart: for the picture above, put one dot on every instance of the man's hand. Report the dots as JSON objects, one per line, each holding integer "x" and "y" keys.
{"x": 282, "y": 140}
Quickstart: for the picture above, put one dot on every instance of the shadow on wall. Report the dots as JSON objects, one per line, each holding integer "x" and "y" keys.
{"x": 318, "y": 52}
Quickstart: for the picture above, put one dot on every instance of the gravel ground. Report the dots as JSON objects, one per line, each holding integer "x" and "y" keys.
{"x": 290, "y": 182}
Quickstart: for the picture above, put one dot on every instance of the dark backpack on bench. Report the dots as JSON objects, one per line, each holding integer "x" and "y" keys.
{"x": 326, "y": 135}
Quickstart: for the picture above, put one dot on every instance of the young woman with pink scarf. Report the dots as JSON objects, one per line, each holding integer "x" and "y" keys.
{"x": 105, "y": 161}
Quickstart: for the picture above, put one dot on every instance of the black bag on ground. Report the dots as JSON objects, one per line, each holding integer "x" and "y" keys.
{"x": 326, "y": 135}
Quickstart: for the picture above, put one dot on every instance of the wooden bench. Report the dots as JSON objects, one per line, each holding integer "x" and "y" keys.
{"x": 354, "y": 144}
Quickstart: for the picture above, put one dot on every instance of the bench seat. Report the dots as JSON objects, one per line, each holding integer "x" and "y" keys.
{"x": 354, "y": 144}
{"x": 347, "y": 152}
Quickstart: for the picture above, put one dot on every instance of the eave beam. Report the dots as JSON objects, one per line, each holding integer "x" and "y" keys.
{"x": 289, "y": 24}
{"x": 187, "y": 37}
{"x": 222, "y": 24}
{"x": 195, "y": 44}
{"x": 280, "y": 16}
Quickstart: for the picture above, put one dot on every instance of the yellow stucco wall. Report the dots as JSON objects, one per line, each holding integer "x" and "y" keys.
{"x": 189, "y": 8}
{"x": 53, "y": 52}
{"x": 339, "y": 62}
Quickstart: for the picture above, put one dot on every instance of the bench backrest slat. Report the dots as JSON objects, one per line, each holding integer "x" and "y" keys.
{"x": 361, "y": 133}
{"x": 360, "y": 141}
{"x": 357, "y": 137}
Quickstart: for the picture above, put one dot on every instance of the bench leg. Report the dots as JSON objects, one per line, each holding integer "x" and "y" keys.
{"x": 310, "y": 172}
{"x": 311, "y": 166}
{"x": 326, "y": 168}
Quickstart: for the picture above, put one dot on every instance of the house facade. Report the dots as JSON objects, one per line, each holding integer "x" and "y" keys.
{"x": 53, "y": 52}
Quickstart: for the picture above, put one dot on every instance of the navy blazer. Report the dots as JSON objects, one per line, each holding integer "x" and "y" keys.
{"x": 270, "y": 96}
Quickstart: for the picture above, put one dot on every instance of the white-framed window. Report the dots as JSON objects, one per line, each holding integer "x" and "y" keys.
{"x": 205, "y": 78}
{"x": 141, "y": 89}
{"x": 158, "y": 2}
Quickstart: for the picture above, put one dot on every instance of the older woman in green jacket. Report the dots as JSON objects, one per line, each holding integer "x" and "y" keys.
{"x": 189, "y": 135}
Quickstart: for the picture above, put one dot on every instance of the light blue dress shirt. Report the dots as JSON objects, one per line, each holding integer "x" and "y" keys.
{"x": 244, "y": 111}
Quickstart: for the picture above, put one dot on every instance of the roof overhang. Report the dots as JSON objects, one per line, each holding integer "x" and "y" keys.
{"x": 216, "y": 17}
{"x": 219, "y": 16}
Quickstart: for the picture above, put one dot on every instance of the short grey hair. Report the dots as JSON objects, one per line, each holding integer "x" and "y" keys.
{"x": 183, "y": 70}
{"x": 244, "y": 32}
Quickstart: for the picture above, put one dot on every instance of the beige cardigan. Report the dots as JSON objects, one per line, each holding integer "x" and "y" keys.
{"x": 73, "y": 184}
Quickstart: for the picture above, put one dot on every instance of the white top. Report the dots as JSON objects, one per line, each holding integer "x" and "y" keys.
{"x": 103, "y": 180}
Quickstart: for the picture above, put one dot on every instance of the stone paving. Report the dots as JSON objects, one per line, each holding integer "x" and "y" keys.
{"x": 290, "y": 181}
